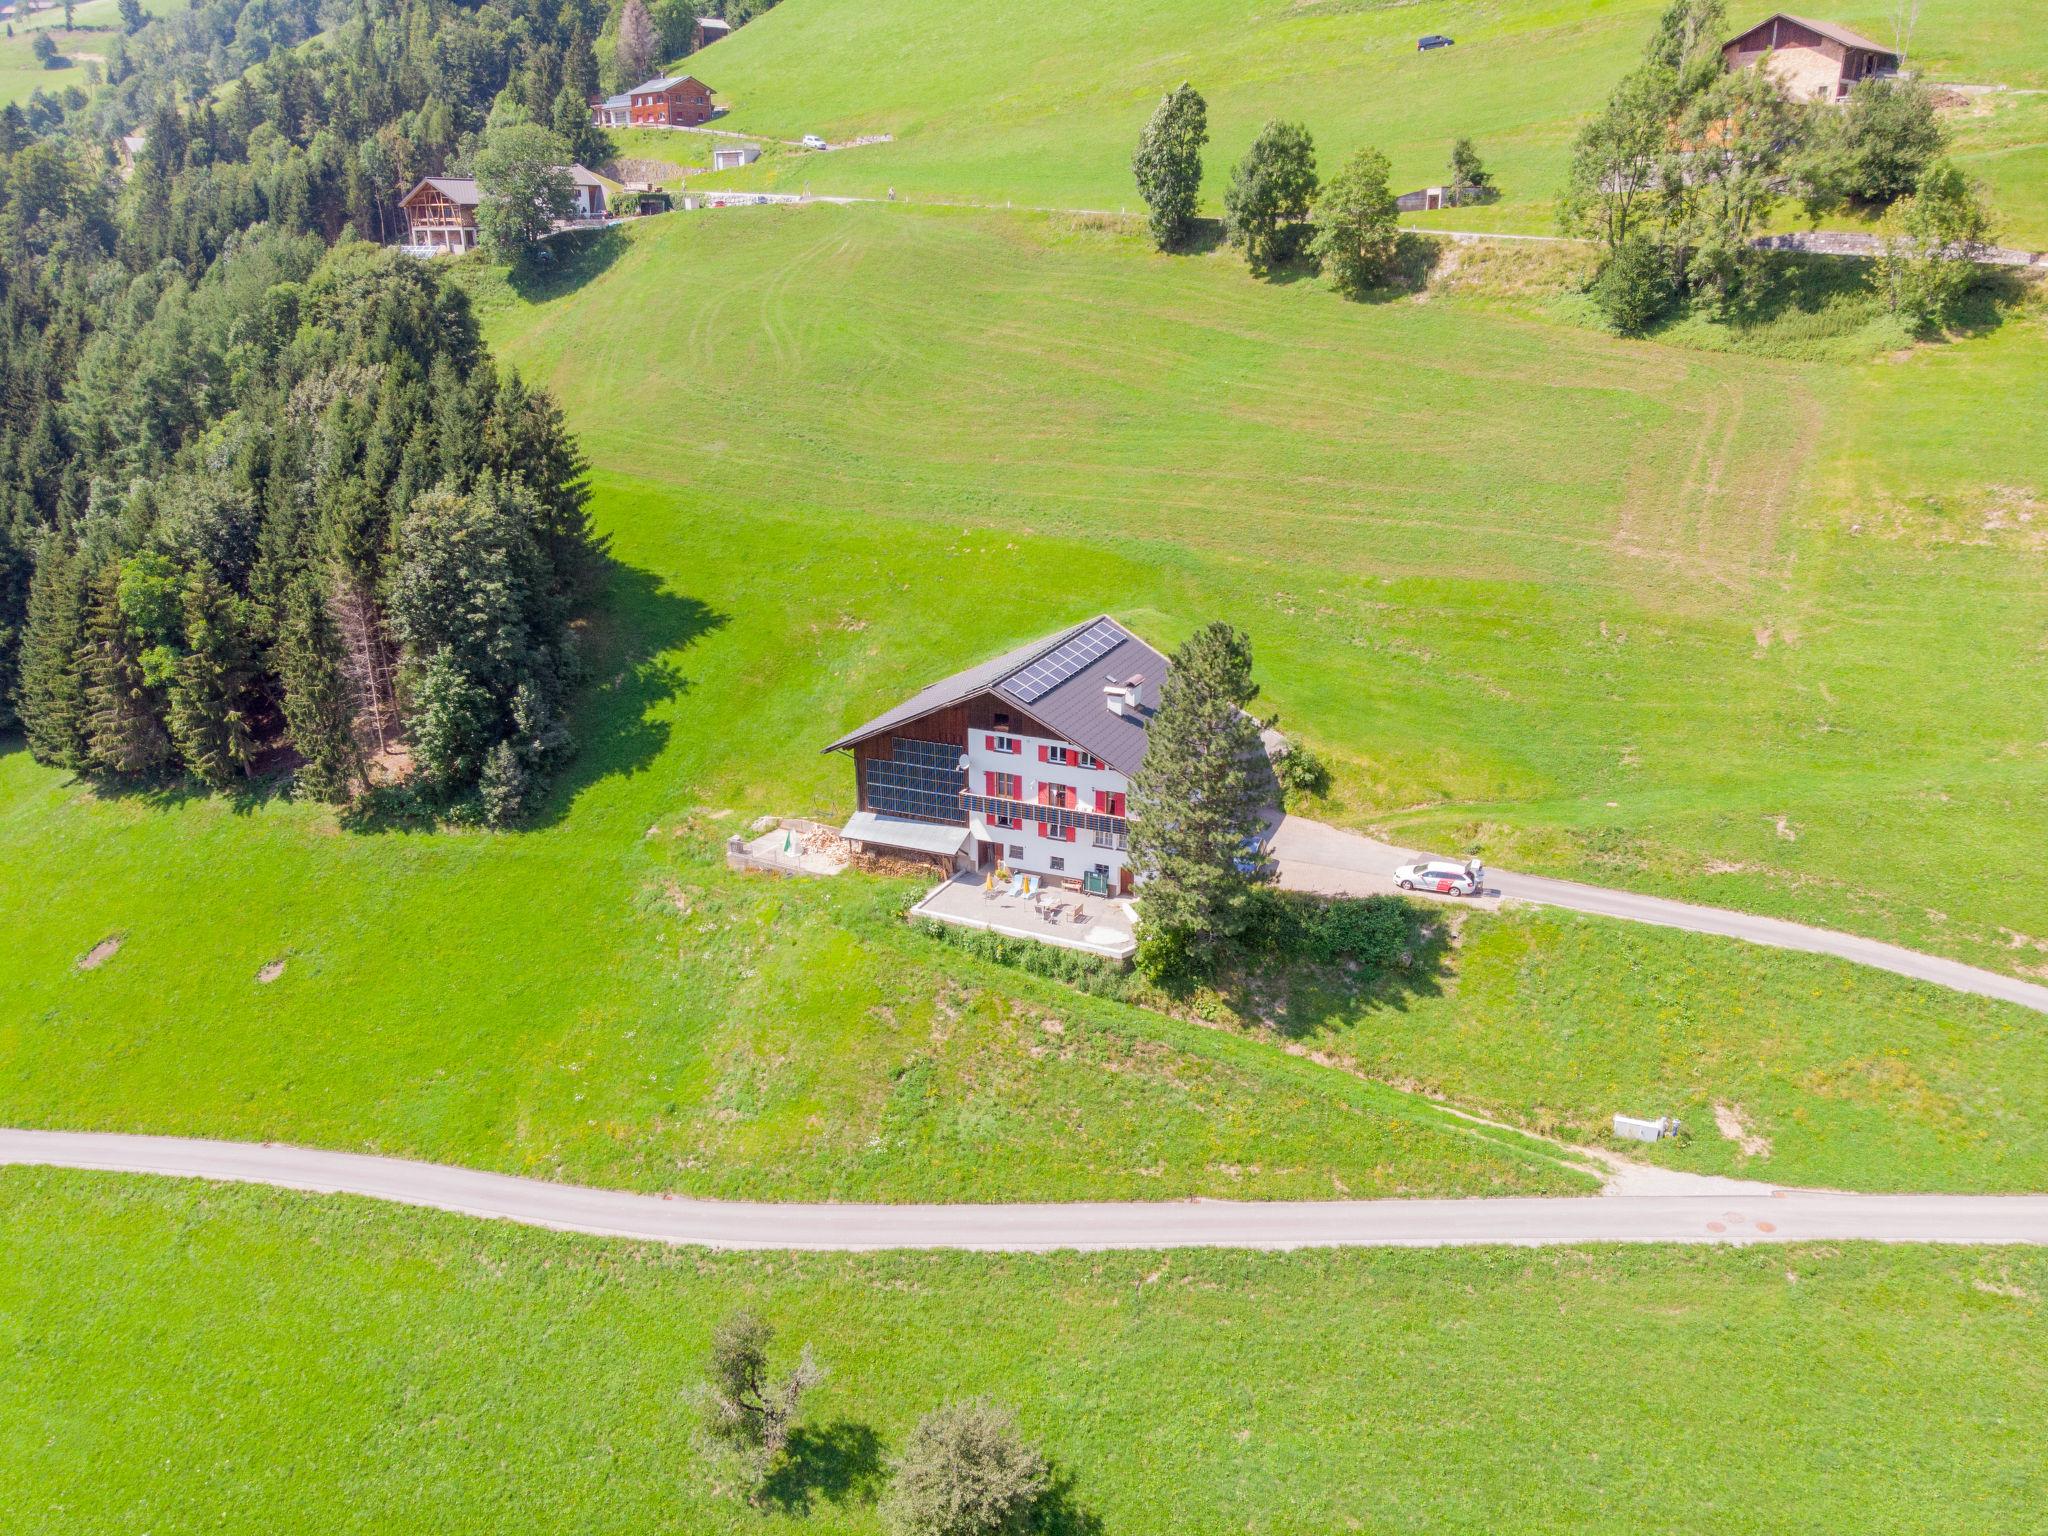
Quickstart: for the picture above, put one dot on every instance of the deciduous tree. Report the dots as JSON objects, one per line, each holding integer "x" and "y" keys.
{"x": 1168, "y": 165}
{"x": 1265, "y": 207}
{"x": 523, "y": 187}
{"x": 967, "y": 1470}
{"x": 747, "y": 1408}
{"x": 1357, "y": 225}
{"x": 1925, "y": 262}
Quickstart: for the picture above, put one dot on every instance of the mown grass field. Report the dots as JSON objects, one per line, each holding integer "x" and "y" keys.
{"x": 1042, "y": 105}
{"x": 178, "y": 1358}
{"x": 1530, "y": 589}
{"x": 97, "y": 23}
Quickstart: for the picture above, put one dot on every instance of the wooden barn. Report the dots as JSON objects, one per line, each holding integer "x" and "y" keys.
{"x": 1816, "y": 60}
{"x": 709, "y": 30}
{"x": 669, "y": 101}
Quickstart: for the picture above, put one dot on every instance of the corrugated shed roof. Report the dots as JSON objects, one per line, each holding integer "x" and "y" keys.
{"x": 1074, "y": 708}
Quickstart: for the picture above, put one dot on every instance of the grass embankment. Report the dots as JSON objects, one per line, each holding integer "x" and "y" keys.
{"x": 177, "y": 1357}
{"x": 1522, "y": 584}
{"x": 1042, "y": 106}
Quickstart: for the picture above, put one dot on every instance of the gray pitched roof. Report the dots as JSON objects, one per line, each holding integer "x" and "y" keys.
{"x": 660, "y": 83}
{"x": 459, "y": 190}
{"x": 1072, "y": 708}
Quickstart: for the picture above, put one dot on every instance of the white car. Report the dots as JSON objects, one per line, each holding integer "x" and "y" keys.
{"x": 1442, "y": 877}
{"x": 813, "y": 141}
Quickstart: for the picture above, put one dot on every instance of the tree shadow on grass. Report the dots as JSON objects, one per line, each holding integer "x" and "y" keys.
{"x": 630, "y": 641}
{"x": 840, "y": 1462}
{"x": 1297, "y": 998}
{"x": 1059, "y": 1512}
{"x": 565, "y": 263}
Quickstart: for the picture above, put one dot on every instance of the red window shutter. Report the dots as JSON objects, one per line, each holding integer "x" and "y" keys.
{"x": 1116, "y": 804}
{"x": 991, "y": 778}
{"x": 1102, "y": 802}
{"x": 1044, "y": 753}
{"x": 1072, "y": 832}
{"x": 991, "y": 743}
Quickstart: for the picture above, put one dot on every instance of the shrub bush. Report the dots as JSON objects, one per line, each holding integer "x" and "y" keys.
{"x": 967, "y": 1471}
{"x": 1634, "y": 289}
{"x": 1302, "y": 772}
{"x": 1293, "y": 925}
{"x": 1088, "y": 973}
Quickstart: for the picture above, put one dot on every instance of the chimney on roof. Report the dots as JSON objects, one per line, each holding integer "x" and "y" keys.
{"x": 1126, "y": 697}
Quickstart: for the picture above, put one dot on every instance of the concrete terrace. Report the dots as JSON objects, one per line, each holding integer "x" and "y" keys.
{"x": 1096, "y": 925}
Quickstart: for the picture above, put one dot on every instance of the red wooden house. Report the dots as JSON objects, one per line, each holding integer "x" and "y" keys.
{"x": 669, "y": 101}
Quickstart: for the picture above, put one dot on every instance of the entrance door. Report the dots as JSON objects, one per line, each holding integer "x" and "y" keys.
{"x": 987, "y": 855}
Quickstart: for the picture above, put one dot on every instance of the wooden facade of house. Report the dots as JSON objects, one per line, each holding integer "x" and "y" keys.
{"x": 672, "y": 101}
{"x": 1816, "y": 60}
{"x": 440, "y": 215}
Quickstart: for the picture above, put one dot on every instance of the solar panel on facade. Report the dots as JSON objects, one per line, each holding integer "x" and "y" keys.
{"x": 1034, "y": 682}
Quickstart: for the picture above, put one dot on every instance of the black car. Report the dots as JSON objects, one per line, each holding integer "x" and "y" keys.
{"x": 1434, "y": 40}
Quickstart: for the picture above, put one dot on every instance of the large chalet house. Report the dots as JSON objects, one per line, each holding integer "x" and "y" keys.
{"x": 440, "y": 212}
{"x": 1023, "y": 762}
{"x": 669, "y": 101}
{"x": 1814, "y": 60}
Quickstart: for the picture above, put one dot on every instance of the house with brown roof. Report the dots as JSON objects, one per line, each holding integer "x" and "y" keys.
{"x": 1815, "y": 60}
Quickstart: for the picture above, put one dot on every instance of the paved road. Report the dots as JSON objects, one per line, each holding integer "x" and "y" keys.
{"x": 1314, "y": 857}
{"x": 1727, "y": 1211}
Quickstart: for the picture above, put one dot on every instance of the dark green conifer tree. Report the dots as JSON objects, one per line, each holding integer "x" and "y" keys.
{"x": 211, "y": 693}
{"x": 125, "y": 733}
{"x": 317, "y": 714}
{"x": 1194, "y": 808}
{"x": 53, "y": 705}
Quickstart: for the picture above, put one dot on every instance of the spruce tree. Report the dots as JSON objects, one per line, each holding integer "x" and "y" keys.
{"x": 124, "y": 707}
{"x": 1168, "y": 165}
{"x": 53, "y": 657}
{"x": 638, "y": 45}
{"x": 210, "y": 695}
{"x": 316, "y": 699}
{"x": 1194, "y": 808}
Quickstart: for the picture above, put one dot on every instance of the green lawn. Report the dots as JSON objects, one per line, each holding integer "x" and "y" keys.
{"x": 1042, "y": 104}
{"x": 180, "y": 1358}
{"x": 1530, "y": 589}
{"x": 97, "y": 24}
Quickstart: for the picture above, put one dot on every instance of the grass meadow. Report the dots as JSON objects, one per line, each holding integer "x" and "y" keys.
{"x": 175, "y": 1358}
{"x": 97, "y": 22}
{"x": 1530, "y": 589}
{"x": 1042, "y": 105}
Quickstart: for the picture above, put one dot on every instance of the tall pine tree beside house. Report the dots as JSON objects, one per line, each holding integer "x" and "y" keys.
{"x": 1194, "y": 809}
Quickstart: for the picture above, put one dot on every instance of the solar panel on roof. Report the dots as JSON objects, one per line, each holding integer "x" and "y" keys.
{"x": 1034, "y": 682}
